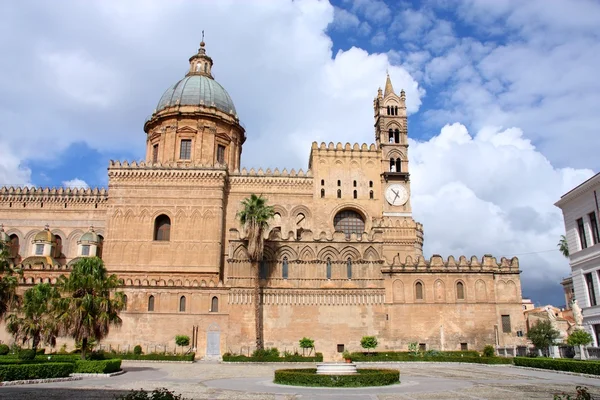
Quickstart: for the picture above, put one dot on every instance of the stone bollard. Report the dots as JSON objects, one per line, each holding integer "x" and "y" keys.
{"x": 582, "y": 352}
{"x": 554, "y": 352}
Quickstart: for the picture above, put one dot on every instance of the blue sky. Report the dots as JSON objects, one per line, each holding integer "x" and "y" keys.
{"x": 502, "y": 95}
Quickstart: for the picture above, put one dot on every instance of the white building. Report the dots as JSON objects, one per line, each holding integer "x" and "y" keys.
{"x": 581, "y": 213}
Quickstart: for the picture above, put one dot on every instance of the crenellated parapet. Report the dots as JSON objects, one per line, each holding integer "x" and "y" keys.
{"x": 306, "y": 235}
{"x": 53, "y": 195}
{"x": 171, "y": 172}
{"x": 273, "y": 179}
{"x": 437, "y": 264}
{"x": 356, "y": 147}
{"x": 268, "y": 172}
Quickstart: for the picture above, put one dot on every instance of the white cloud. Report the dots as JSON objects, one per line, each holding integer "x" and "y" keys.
{"x": 376, "y": 11}
{"x": 491, "y": 193}
{"x": 76, "y": 183}
{"x": 12, "y": 172}
{"x": 344, "y": 20}
{"x": 378, "y": 39}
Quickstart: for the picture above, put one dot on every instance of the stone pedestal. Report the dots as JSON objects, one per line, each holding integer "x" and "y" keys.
{"x": 336, "y": 369}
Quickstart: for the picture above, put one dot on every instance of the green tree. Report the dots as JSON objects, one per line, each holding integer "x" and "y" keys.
{"x": 8, "y": 281}
{"x": 255, "y": 216}
{"x": 542, "y": 335}
{"x": 182, "y": 340}
{"x": 306, "y": 343}
{"x": 90, "y": 304}
{"x": 579, "y": 337}
{"x": 35, "y": 319}
{"x": 368, "y": 342}
{"x": 563, "y": 246}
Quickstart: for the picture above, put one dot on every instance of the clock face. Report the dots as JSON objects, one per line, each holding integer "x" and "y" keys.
{"x": 396, "y": 195}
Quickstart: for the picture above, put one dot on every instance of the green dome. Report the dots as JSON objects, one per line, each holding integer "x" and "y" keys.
{"x": 89, "y": 236}
{"x": 197, "y": 90}
{"x": 44, "y": 236}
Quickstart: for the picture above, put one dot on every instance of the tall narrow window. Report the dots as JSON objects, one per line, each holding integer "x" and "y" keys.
{"x": 506, "y": 328}
{"x": 284, "y": 268}
{"x": 349, "y": 268}
{"x": 57, "y": 251}
{"x": 354, "y": 183}
{"x": 388, "y": 110}
{"x": 155, "y": 153}
{"x": 221, "y": 154}
{"x": 100, "y": 246}
{"x": 370, "y": 184}
{"x": 396, "y": 136}
{"x": 151, "y": 303}
{"x": 392, "y": 165}
{"x": 162, "y": 228}
{"x": 594, "y": 227}
{"x": 182, "y": 304}
{"x": 124, "y": 302}
{"x": 339, "y": 193}
{"x": 322, "y": 182}
{"x": 398, "y": 165}
{"x": 39, "y": 249}
{"x": 14, "y": 246}
{"x": 581, "y": 230}
{"x": 185, "y": 149}
{"x": 589, "y": 280}
{"x": 214, "y": 304}
{"x": 328, "y": 272}
{"x": 460, "y": 291}
{"x": 263, "y": 269}
{"x": 391, "y": 136}
{"x": 419, "y": 291}
{"x": 395, "y": 110}
{"x": 355, "y": 194}
{"x": 322, "y": 193}
{"x": 339, "y": 183}
{"x": 85, "y": 250}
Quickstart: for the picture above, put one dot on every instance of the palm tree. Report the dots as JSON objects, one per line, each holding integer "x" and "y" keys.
{"x": 8, "y": 281}
{"x": 255, "y": 216}
{"x": 86, "y": 309}
{"x": 563, "y": 246}
{"x": 37, "y": 321}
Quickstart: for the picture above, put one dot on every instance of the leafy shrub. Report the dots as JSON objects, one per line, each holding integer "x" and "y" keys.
{"x": 266, "y": 353}
{"x": 4, "y": 349}
{"x": 318, "y": 357}
{"x": 152, "y": 356}
{"x": 413, "y": 348}
{"x": 182, "y": 340}
{"x": 309, "y": 377}
{"x": 98, "y": 367}
{"x": 368, "y": 342}
{"x": 579, "y": 337}
{"x": 72, "y": 358}
{"x": 156, "y": 394}
{"x": 95, "y": 355}
{"x": 439, "y": 357}
{"x": 563, "y": 364}
{"x": 27, "y": 355}
{"x": 14, "y": 372}
{"x": 582, "y": 394}
{"x": 489, "y": 351}
{"x": 40, "y": 351}
{"x": 137, "y": 350}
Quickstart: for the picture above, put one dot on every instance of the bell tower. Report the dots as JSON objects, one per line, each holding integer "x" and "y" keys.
{"x": 402, "y": 235}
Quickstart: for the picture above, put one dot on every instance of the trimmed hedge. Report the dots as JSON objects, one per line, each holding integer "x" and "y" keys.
{"x": 309, "y": 377}
{"x": 47, "y": 370}
{"x": 401, "y": 356}
{"x": 59, "y": 358}
{"x": 293, "y": 358}
{"x": 562, "y": 364}
{"x": 152, "y": 356}
{"x": 98, "y": 367}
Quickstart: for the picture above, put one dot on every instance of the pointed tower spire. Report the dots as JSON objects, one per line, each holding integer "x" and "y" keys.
{"x": 389, "y": 89}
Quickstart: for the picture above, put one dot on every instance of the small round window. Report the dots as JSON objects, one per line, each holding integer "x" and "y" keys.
{"x": 349, "y": 222}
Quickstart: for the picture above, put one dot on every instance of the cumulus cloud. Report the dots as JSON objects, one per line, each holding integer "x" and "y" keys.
{"x": 76, "y": 183}
{"x": 12, "y": 172}
{"x": 492, "y": 192}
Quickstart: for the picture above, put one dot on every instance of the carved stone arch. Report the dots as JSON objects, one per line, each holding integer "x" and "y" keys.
{"x": 398, "y": 291}
{"x": 480, "y": 291}
{"x": 305, "y": 222}
{"x": 511, "y": 290}
{"x": 129, "y": 282}
{"x": 196, "y": 219}
{"x": 416, "y": 284}
{"x": 396, "y": 153}
{"x": 195, "y": 283}
{"x": 350, "y": 252}
{"x": 15, "y": 231}
{"x": 281, "y": 210}
{"x": 286, "y": 251}
{"x": 72, "y": 240}
{"x": 27, "y": 243}
{"x": 354, "y": 164}
{"x": 371, "y": 254}
{"x": 457, "y": 289}
{"x": 144, "y": 216}
{"x": 211, "y": 283}
{"x": 170, "y": 282}
{"x": 370, "y": 164}
{"x": 137, "y": 282}
{"x": 269, "y": 254}
{"x": 328, "y": 252}
{"x": 241, "y": 253}
{"x": 501, "y": 293}
{"x": 352, "y": 207}
{"x": 64, "y": 242}
{"x": 307, "y": 254}
{"x": 161, "y": 212}
{"x": 393, "y": 124}
{"x": 439, "y": 291}
{"x": 145, "y": 282}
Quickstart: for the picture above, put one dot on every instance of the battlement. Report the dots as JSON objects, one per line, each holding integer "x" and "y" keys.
{"x": 268, "y": 172}
{"x": 343, "y": 147}
{"x": 49, "y": 195}
{"x": 436, "y": 264}
{"x": 168, "y": 165}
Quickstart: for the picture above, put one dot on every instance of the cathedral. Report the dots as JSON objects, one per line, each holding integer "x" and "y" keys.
{"x": 343, "y": 256}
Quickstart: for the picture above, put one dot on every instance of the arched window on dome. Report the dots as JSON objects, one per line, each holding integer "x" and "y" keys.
{"x": 162, "y": 228}
{"x": 349, "y": 222}
{"x": 182, "y": 304}
{"x": 284, "y": 268}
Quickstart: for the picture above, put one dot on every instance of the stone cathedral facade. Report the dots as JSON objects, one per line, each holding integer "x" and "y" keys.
{"x": 343, "y": 256}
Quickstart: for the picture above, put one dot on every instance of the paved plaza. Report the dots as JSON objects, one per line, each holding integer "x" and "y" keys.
{"x": 211, "y": 380}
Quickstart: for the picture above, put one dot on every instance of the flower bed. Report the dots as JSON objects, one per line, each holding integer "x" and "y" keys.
{"x": 365, "y": 377}
{"x": 579, "y": 366}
